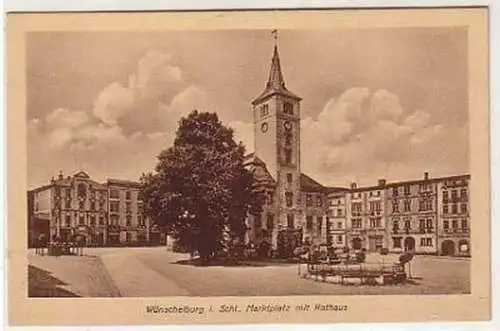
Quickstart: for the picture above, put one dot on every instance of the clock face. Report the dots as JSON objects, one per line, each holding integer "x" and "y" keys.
{"x": 287, "y": 125}
{"x": 264, "y": 127}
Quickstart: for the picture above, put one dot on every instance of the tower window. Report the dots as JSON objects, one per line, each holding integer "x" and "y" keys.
{"x": 290, "y": 221}
{"x": 288, "y": 108}
{"x": 289, "y": 199}
{"x": 289, "y": 177}
{"x": 264, "y": 110}
{"x": 288, "y": 138}
{"x": 288, "y": 156}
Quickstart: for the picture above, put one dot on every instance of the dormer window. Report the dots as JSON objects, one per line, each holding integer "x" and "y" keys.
{"x": 288, "y": 108}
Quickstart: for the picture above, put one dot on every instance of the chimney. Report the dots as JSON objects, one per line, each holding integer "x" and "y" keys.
{"x": 381, "y": 182}
{"x": 60, "y": 175}
{"x": 353, "y": 186}
{"x": 426, "y": 175}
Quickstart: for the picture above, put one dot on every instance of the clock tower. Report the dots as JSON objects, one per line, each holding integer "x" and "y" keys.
{"x": 276, "y": 116}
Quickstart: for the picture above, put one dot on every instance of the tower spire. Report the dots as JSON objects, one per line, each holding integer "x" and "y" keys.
{"x": 275, "y": 75}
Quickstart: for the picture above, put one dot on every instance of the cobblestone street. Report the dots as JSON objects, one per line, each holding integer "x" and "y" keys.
{"x": 145, "y": 272}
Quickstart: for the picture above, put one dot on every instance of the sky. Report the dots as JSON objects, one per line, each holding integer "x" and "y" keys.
{"x": 386, "y": 103}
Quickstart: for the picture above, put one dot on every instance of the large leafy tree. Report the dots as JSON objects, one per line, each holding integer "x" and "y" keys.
{"x": 200, "y": 190}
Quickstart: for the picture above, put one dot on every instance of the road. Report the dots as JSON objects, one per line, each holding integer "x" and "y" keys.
{"x": 145, "y": 272}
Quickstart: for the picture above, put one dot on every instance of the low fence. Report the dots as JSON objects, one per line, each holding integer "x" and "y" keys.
{"x": 363, "y": 273}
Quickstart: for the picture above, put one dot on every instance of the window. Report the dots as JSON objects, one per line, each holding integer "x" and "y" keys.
{"x": 375, "y": 222}
{"x": 454, "y": 208}
{"x": 395, "y": 206}
{"x": 319, "y": 223}
{"x": 309, "y": 201}
{"x": 395, "y": 225}
{"x": 68, "y": 204}
{"x": 270, "y": 198}
{"x": 396, "y": 242}
{"x": 82, "y": 204}
{"x": 114, "y": 219}
{"x": 339, "y": 225}
{"x": 290, "y": 221}
{"x": 319, "y": 201}
{"x": 407, "y": 205}
{"x": 102, "y": 205}
{"x": 407, "y": 224}
{"x": 464, "y": 224}
{"x": 258, "y": 221}
{"x": 289, "y": 177}
{"x": 429, "y": 224}
{"x": 406, "y": 190}
{"x": 356, "y": 207}
{"x": 264, "y": 110}
{"x": 289, "y": 199}
{"x": 455, "y": 224}
{"x": 454, "y": 195}
{"x": 128, "y": 195}
{"x": 81, "y": 220}
{"x": 270, "y": 222}
{"x": 445, "y": 196}
{"x": 128, "y": 207}
{"x": 445, "y": 209}
{"x": 140, "y": 219}
{"x": 101, "y": 220}
{"x": 426, "y": 242}
{"x": 339, "y": 212}
{"x": 288, "y": 138}
{"x": 463, "y": 208}
{"x": 92, "y": 220}
{"x": 309, "y": 222}
{"x": 288, "y": 156}
{"x": 463, "y": 194}
{"x": 114, "y": 194}
{"x": 446, "y": 225}
{"x": 422, "y": 224}
{"x": 395, "y": 191}
{"x": 340, "y": 239}
{"x": 129, "y": 220}
{"x": 128, "y": 237}
{"x": 114, "y": 206}
{"x": 68, "y": 193}
{"x": 288, "y": 108}
{"x": 82, "y": 190}
{"x": 68, "y": 220}
{"x": 356, "y": 224}
{"x": 92, "y": 205}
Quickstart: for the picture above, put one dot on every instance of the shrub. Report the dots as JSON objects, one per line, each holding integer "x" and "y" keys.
{"x": 360, "y": 257}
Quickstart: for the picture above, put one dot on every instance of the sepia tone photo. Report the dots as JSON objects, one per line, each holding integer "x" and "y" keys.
{"x": 197, "y": 172}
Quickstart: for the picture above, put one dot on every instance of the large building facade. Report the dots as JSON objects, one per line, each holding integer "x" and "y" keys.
{"x": 104, "y": 214}
{"x": 425, "y": 216}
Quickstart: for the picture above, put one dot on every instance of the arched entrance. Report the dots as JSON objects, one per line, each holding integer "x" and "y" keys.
{"x": 409, "y": 244}
{"x": 356, "y": 243}
{"x": 448, "y": 247}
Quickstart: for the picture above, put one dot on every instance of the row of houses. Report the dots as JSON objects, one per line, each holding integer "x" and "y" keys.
{"x": 428, "y": 216}
{"x": 105, "y": 214}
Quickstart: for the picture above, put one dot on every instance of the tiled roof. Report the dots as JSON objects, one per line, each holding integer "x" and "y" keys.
{"x": 310, "y": 185}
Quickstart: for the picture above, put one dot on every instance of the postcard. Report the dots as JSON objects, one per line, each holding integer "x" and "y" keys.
{"x": 248, "y": 167}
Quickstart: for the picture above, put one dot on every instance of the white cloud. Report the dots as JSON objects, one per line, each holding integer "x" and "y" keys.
{"x": 364, "y": 135}
{"x": 113, "y": 102}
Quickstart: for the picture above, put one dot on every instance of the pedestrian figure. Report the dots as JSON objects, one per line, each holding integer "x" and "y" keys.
{"x": 80, "y": 244}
